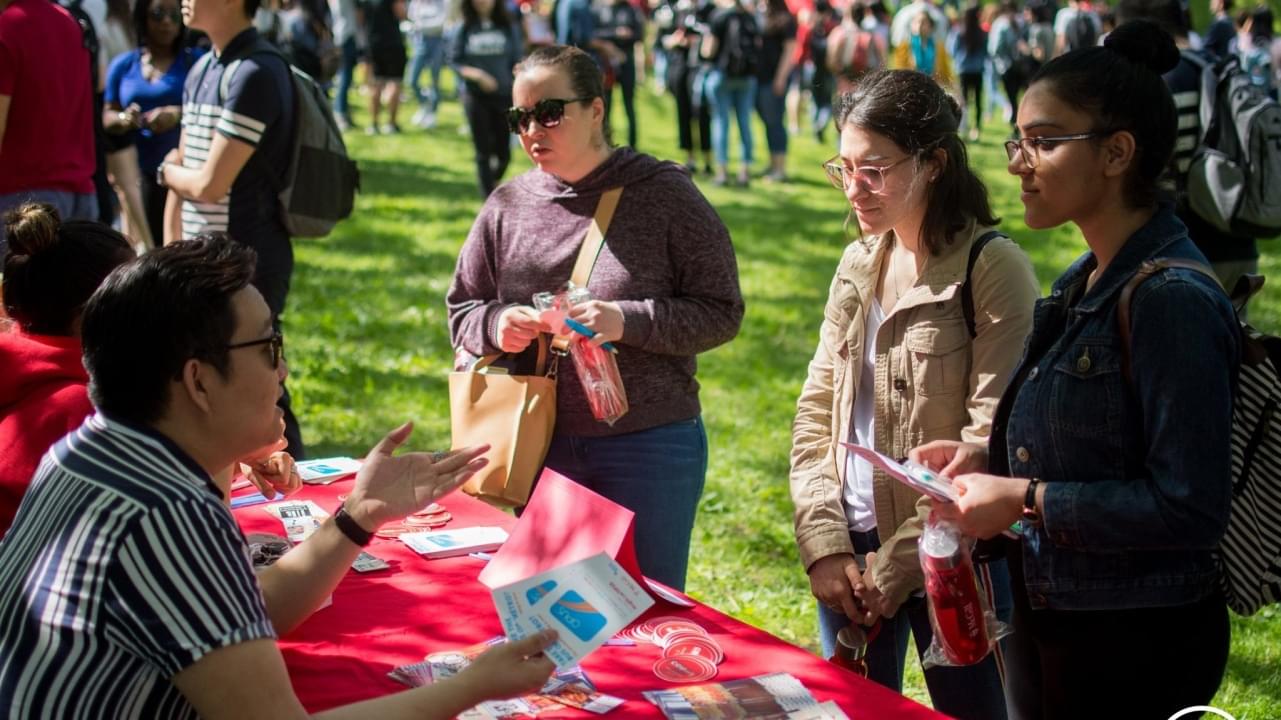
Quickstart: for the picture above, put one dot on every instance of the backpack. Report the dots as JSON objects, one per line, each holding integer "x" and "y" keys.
{"x": 742, "y": 55}
{"x": 1234, "y": 179}
{"x": 1249, "y": 556}
{"x": 1081, "y": 32}
{"x": 967, "y": 292}
{"x": 859, "y": 54}
{"x": 321, "y": 180}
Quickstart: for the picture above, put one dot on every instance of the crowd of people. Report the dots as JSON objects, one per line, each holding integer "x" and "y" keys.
{"x": 132, "y": 387}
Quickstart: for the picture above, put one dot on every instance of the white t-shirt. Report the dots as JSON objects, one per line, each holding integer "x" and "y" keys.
{"x": 860, "y": 510}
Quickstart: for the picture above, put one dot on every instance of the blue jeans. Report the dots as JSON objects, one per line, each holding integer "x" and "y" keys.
{"x": 771, "y": 107}
{"x": 656, "y": 473}
{"x": 972, "y": 692}
{"x": 71, "y": 206}
{"x": 738, "y": 94}
{"x": 429, "y": 53}
{"x": 345, "y": 70}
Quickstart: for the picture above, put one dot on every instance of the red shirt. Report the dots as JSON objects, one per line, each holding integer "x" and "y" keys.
{"x": 44, "y": 69}
{"x": 43, "y": 397}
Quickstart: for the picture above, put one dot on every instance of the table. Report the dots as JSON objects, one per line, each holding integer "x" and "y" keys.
{"x": 379, "y": 620}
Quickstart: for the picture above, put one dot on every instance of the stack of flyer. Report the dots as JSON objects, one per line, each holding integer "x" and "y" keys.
{"x": 777, "y": 696}
{"x": 436, "y": 544}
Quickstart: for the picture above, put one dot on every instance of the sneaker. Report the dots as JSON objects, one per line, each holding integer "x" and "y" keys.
{"x": 974, "y": 135}
{"x": 429, "y": 121}
{"x": 371, "y": 130}
{"x": 417, "y": 119}
{"x": 720, "y": 180}
{"x": 744, "y": 178}
{"x": 390, "y": 129}
{"x": 344, "y": 123}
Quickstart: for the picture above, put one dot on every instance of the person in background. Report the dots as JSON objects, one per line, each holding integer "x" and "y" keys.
{"x": 1259, "y": 55}
{"x": 822, "y": 82}
{"x": 1222, "y": 31}
{"x": 665, "y": 289}
{"x": 47, "y": 118}
{"x": 184, "y": 368}
{"x": 50, "y": 270}
{"x": 485, "y": 50}
{"x": 896, "y": 362}
{"x": 1005, "y": 45}
{"x": 428, "y": 38}
{"x": 622, "y": 25}
{"x": 1122, "y": 478}
{"x": 143, "y": 98}
{"x": 387, "y": 62}
{"x": 681, "y": 41}
{"x": 924, "y": 53}
{"x": 307, "y": 41}
{"x": 969, "y": 48}
{"x": 344, "y": 16}
{"x": 853, "y": 50}
{"x": 778, "y": 52}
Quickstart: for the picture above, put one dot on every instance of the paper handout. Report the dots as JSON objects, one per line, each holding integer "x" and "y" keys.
{"x": 917, "y": 477}
{"x": 586, "y": 602}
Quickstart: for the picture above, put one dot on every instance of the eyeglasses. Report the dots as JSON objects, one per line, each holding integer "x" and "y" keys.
{"x": 275, "y": 340}
{"x": 160, "y": 14}
{"x": 548, "y": 113}
{"x": 871, "y": 177}
{"x": 1031, "y": 148}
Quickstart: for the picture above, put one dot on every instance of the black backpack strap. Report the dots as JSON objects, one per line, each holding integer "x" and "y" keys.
{"x": 1145, "y": 271}
{"x": 967, "y": 290}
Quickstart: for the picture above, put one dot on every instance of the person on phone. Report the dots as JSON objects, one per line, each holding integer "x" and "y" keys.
{"x": 898, "y": 362}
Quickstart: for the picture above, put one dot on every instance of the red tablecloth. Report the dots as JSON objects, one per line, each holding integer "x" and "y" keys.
{"x": 393, "y": 617}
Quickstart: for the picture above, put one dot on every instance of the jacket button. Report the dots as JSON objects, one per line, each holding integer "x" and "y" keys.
{"x": 1032, "y": 375}
{"x": 1022, "y": 455}
{"x": 1083, "y": 363}
{"x": 900, "y": 384}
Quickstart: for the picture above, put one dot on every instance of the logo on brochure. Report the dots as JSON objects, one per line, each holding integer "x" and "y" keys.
{"x": 539, "y": 591}
{"x": 445, "y": 541}
{"x": 578, "y": 615}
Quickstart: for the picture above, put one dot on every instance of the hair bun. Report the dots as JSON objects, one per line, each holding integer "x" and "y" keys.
{"x": 31, "y": 228}
{"x": 1146, "y": 44}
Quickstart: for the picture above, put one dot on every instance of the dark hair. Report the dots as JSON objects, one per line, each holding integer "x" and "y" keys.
{"x": 974, "y": 37}
{"x": 911, "y": 109}
{"x": 51, "y": 267}
{"x": 1261, "y": 24}
{"x": 1119, "y": 84}
{"x": 251, "y": 8}
{"x": 1165, "y": 14}
{"x": 585, "y": 79}
{"x": 150, "y": 317}
{"x": 777, "y": 16}
{"x": 498, "y": 15}
{"x": 140, "y": 10}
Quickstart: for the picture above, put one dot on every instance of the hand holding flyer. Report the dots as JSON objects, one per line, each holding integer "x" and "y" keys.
{"x": 915, "y": 476}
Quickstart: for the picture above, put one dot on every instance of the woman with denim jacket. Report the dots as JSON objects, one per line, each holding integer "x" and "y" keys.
{"x": 896, "y": 365}
{"x": 1122, "y": 479}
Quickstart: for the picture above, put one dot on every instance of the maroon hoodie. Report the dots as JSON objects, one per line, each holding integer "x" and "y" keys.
{"x": 42, "y": 398}
{"x": 667, "y": 261}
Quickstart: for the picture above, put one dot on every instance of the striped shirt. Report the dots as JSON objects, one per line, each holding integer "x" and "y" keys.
{"x": 122, "y": 568}
{"x": 254, "y": 105}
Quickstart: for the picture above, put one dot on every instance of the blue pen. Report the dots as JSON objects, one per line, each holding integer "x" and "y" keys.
{"x": 582, "y": 329}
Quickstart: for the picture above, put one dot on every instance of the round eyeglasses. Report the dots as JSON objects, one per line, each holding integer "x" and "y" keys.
{"x": 871, "y": 177}
{"x": 1031, "y": 148}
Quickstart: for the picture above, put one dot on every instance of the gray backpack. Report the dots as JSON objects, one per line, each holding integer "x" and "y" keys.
{"x": 1234, "y": 180}
{"x": 321, "y": 180}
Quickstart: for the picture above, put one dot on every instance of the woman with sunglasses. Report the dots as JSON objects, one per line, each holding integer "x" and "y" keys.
{"x": 143, "y": 96}
{"x": 897, "y": 363}
{"x": 665, "y": 288}
{"x": 485, "y": 49}
{"x": 1114, "y": 454}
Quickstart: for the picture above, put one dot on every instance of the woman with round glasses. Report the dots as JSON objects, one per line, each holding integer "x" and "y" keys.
{"x": 665, "y": 288}
{"x": 897, "y": 363}
{"x": 1113, "y": 452}
{"x": 485, "y": 49}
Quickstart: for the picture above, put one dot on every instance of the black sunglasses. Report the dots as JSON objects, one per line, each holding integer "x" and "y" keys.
{"x": 548, "y": 113}
{"x": 277, "y": 342}
{"x": 159, "y": 14}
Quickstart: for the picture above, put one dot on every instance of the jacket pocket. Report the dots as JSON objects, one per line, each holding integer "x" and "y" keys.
{"x": 1088, "y": 393}
{"x": 938, "y": 352}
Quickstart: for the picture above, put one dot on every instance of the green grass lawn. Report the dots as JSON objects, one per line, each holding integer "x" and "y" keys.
{"x": 369, "y": 348}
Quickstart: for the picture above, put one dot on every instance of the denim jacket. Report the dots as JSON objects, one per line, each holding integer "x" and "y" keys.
{"x": 1136, "y": 471}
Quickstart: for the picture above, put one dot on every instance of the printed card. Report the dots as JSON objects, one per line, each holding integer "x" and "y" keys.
{"x": 327, "y": 470}
{"x": 918, "y": 477}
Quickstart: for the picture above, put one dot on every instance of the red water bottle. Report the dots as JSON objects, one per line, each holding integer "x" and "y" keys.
{"x": 956, "y": 608}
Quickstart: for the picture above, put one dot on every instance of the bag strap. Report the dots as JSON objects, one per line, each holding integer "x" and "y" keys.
{"x": 590, "y": 251}
{"x": 1145, "y": 271}
{"x": 539, "y": 367}
{"x": 967, "y": 289}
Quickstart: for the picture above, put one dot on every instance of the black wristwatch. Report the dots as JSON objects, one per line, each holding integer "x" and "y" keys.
{"x": 1030, "y": 515}
{"x": 352, "y": 529}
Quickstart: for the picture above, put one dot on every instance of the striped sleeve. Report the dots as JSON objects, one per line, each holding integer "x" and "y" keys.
{"x": 185, "y": 587}
{"x": 253, "y": 101}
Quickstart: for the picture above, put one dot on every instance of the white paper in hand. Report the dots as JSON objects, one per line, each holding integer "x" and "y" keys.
{"x": 586, "y": 602}
{"x": 920, "y": 478}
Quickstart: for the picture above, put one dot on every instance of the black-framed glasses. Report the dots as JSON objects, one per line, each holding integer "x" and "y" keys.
{"x": 871, "y": 177}
{"x": 159, "y": 14}
{"x": 275, "y": 340}
{"x": 547, "y": 112}
{"x": 1031, "y": 148}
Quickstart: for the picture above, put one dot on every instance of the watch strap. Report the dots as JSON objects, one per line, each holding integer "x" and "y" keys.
{"x": 352, "y": 529}
{"x": 1030, "y": 514}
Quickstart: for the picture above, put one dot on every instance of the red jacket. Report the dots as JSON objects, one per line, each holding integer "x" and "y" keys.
{"x": 43, "y": 396}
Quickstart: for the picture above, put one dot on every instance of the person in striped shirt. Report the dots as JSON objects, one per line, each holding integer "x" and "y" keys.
{"x": 126, "y": 588}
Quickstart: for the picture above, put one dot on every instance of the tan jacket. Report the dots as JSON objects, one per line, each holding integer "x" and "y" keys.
{"x": 932, "y": 383}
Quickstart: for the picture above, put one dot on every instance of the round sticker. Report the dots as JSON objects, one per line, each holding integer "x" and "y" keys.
{"x": 392, "y": 531}
{"x": 671, "y": 626}
{"x": 431, "y": 509}
{"x": 695, "y": 647}
{"x": 684, "y": 669}
{"x": 429, "y": 520}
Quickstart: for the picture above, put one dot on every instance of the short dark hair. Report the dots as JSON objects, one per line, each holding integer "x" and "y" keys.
{"x": 52, "y": 267}
{"x": 585, "y": 78}
{"x": 150, "y": 317}
{"x": 498, "y": 16}
{"x": 140, "y": 10}
{"x": 911, "y": 109}
{"x": 1120, "y": 85}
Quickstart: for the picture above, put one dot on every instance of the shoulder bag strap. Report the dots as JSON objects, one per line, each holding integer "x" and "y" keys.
{"x": 590, "y": 250}
{"x": 1145, "y": 271}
